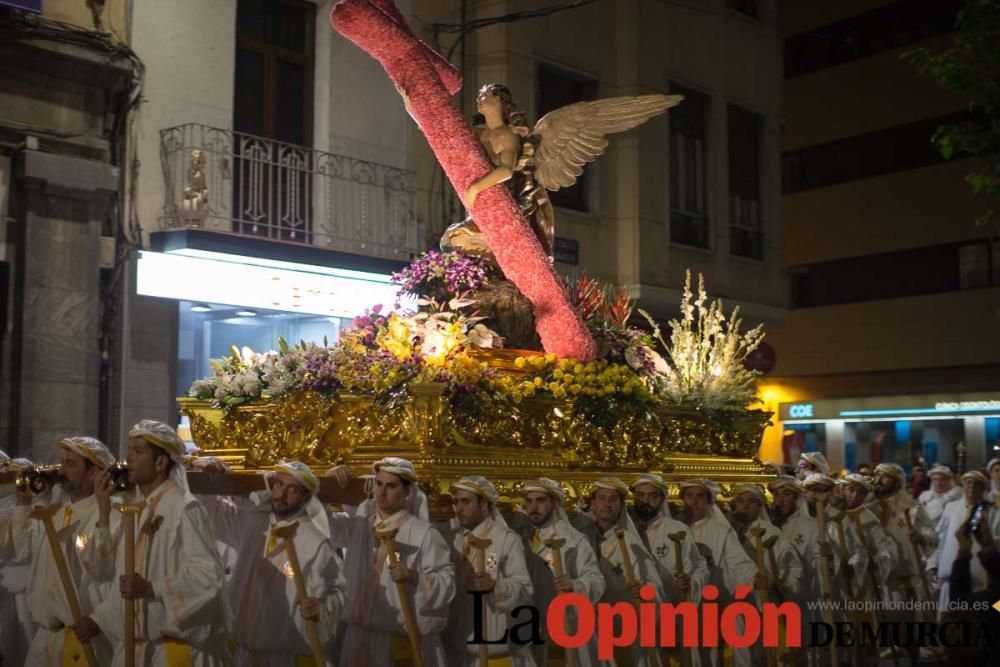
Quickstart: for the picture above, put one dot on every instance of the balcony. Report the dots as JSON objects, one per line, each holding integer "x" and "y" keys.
{"x": 232, "y": 182}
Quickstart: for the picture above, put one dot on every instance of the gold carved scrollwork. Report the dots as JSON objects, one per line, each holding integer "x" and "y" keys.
{"x": 539, "y": 436}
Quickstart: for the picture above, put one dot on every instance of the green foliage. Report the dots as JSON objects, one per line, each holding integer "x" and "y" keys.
{"x": 969, "y": 65}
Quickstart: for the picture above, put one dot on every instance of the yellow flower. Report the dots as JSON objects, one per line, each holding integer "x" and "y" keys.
{"x": 557, "y": 374}
{"x": 555, "y": 387}
{"x": 609, "y": 389}
{"x": 575, "y": 389}
{"x": 538, "y": 381}
{"x": 519, "y": 362}
{"x": 550, "y": 358}
{"x": 558, "y": 392}
{"x": 567, "y": 378}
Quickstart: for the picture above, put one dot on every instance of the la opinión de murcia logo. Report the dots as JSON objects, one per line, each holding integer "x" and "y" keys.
{"x": 705, "y": 625}
{"x": 654, "y": 624}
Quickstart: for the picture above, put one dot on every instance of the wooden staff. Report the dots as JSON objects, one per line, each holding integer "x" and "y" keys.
{"x": 630, "y": 577}
{"x": 480, "y": 545}
{"x": 412, "y": 630}
{"x": 129, "y": 512}
{"x": 918, "y": 558}
{"x": 678, "y": 540}
{"x": 556, "y": 544}
{"x": 45, "y": 514}
{"x": 773, "y": 561}
{"x": 287, "y": 534}
{"x": 758, "y": 533}
{"x": 824, "y": 571}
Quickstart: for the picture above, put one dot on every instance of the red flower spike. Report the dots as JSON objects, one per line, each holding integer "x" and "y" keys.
{"x": 374, "y": 27}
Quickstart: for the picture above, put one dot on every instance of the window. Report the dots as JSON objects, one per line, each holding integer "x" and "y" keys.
{"x": 746, "y": 234}
{"x": 748, "y": 7}
{"x": 555, "y": 88}
{"x": 974, "y": 265}
{"x": 688, "y": 219}
{"x": 927, "y": 270}
{"x": 881, "y": 29}
{"x": 865, "y": 155}
{"x": 274, "y": 62}
{"x": 273, "y": 101}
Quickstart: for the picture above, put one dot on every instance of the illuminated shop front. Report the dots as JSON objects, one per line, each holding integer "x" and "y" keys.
{"x": 232, "y": 291}
{"x": 959, "y": 430}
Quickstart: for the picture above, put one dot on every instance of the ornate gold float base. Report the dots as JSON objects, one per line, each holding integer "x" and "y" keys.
{"x": 539, "y": 437}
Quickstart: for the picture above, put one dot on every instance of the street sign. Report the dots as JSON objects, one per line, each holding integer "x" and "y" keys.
{"x": 566, "y": 250}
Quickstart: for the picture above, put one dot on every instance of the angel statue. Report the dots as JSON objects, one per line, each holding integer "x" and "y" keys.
{"x": 533, "y": 162}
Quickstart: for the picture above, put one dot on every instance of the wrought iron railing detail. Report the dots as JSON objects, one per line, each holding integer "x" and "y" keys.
{"x": 235, "y": 182}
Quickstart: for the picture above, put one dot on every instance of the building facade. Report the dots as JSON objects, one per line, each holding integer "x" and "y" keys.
{"x": 889, "y": 351}
{"x": 266, "y": 180}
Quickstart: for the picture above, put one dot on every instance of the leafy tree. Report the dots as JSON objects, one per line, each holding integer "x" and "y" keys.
{"x": 969, "y": 64}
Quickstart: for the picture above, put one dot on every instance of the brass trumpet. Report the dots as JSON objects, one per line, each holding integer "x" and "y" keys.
{"x": 119, "y": 478}
{"x": 37, "y": 480}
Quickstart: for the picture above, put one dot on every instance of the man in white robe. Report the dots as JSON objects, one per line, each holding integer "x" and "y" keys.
{"x": 269, "y": 625}
{"x": 892, "y": 504}
{"x": 652, "y": 513}
{"x": 849, "y": 579}
{"x": 600, "y": 525}
{"x": 728, "y": 563}
{"x": 897, "y": 510}
{"x": 16, "y": 627}
{"x": 82, "y": 462}
{"x": 801, "y": 532}
{"x": 543, "y": 499}
{"x": 181, "y": 611}
{"x": 809, "y": 463}
{"x": 942, "y": 492}
{"x": 376, "y": 631}
{"x": 747, "y": 515}
{"x": 993, "y": 473}
{"x": 881, "y": 549}
{"x": 939, "y": 565}
{"x": 504, "y": 585}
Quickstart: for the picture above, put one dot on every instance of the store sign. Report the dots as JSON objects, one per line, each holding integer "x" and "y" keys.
{"x": 966, "y": 406}
{"x": 249, "y": 282}
{"x": 800, "y": 410}
{"x": 26, "y": 5}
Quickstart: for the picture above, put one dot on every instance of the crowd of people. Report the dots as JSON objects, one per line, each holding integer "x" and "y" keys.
{"x": 280, "y": 578}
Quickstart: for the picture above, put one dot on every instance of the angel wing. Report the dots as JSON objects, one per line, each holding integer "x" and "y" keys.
{"x": 574, "y": 135}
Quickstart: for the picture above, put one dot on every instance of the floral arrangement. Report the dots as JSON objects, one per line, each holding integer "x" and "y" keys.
{"x": 378, "y": 355}
{"x": 701, "y": 366}
{"x": 445, "y": 275}
{"x": 706, "y": 355}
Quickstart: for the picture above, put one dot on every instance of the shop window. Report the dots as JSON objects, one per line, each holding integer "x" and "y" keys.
{"x": 800, "y": 438}
{"x": 688, "y": 215}
{"x": 556, "y": 87}
{"x": 208, "y": 331}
